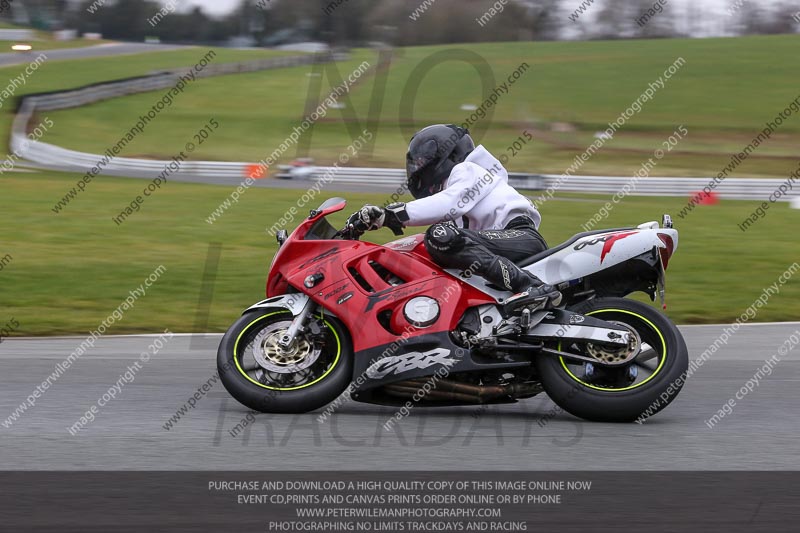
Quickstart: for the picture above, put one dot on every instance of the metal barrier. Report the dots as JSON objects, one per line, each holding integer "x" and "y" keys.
{"x": 50, "y": 156}
{"x": 733, "y": 188}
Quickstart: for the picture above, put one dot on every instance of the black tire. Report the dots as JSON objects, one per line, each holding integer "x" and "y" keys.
{"x": 611, "y": 403}
{"x": 335, "y": 361}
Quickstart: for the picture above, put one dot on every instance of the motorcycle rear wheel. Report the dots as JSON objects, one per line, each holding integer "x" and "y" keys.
{"x": 596, "y": 393}
{"x": 255, "y": 371}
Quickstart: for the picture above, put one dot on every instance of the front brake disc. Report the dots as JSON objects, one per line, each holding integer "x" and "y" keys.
{"x": 271, "y": 356}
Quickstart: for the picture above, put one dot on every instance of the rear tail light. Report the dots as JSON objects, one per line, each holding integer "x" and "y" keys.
{"x": 666, "y": 252}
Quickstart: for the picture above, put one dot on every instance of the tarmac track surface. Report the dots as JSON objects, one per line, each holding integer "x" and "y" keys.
{"x": 128, "y": 433}
{"x": 101, "y": 50}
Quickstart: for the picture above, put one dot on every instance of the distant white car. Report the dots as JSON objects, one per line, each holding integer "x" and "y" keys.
{"x": 20, "y": 47}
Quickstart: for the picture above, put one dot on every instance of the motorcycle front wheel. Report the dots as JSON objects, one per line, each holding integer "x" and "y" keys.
{"x": 634, "y": 391}
{"x": 266, "y": 377}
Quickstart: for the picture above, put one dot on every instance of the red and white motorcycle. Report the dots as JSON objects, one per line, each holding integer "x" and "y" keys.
{"x": 390, "y": 325}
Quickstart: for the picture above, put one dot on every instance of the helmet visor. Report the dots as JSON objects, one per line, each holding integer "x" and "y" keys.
{"x": 421, "y": 157}
{"x": 420, "y": 169}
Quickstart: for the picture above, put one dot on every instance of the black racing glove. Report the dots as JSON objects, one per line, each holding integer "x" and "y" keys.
{"x": 372, "y": 217}
{"x": 368, "y": 218}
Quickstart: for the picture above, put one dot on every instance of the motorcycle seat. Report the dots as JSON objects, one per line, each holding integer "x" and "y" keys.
{"x": 550, "y": 251}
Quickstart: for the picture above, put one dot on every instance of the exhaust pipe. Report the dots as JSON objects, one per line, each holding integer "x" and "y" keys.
{"x": 449, "y": 390}
{"x": 408, "y": 392}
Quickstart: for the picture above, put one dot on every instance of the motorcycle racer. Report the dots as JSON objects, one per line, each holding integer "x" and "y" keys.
{"x": 476, "y": 217}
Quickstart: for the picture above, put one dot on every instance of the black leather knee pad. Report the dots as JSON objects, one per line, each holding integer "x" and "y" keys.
{"x": 444, "y": 238}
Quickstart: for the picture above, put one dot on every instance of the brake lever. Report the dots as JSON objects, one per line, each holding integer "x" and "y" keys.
{"x": 349, "y": 232}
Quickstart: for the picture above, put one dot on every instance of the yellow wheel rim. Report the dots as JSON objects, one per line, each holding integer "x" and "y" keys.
{"x": 323, "y": 376}
{"x": 636, "y": 385}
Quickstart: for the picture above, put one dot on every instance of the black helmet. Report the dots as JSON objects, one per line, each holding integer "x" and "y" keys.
{"x": 432, "y": 154}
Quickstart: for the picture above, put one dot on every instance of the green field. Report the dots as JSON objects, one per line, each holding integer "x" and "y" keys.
{"x": 69, "y": 272}
{"x": 58, "y": 75}
{"x": 723, "y": 95}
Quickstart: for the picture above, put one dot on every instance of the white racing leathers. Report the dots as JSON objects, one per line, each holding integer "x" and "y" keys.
{"x": 477, "y": 189}
{"x": 481, "y": 223}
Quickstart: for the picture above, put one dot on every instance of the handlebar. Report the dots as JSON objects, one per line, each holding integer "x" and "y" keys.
{"x": 348, "y": 233}
{"x": 351, "y": 233}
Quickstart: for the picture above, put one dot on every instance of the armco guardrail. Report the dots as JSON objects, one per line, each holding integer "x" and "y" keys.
{"x": 50, "y": 156}
{"x": 8, "y": 34}
{"x": 734, "y": 188}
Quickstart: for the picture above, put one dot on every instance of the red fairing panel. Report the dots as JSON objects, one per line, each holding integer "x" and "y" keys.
{"x": 367, "y": 286}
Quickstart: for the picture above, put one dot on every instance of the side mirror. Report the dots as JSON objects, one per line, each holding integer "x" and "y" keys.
{"x": 282, "y": 235}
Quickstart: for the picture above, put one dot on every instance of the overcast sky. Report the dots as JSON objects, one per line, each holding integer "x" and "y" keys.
{"x": 706, "y": 17}
{"x": 219, "y": 7}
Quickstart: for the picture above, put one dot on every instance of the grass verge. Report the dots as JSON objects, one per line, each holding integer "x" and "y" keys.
{"x": 68, "y": 272}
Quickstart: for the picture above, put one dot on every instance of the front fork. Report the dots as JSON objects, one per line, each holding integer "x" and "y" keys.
{"x": 301, "y": 307}
{"x": 298, "y": 325}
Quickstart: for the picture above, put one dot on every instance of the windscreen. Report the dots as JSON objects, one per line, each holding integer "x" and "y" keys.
{"x": 321, "y": 230}
{"x": 330, "y": 202}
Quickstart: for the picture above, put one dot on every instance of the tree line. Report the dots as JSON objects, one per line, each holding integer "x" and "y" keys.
{"x": 412, "y": 22}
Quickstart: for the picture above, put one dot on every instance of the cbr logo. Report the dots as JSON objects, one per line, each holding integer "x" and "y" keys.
{"x": 411, "y": 361}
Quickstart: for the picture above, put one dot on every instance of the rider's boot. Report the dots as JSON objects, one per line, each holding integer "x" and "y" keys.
{"x": 538, "y": 295}
{"x": 530, "y": 290}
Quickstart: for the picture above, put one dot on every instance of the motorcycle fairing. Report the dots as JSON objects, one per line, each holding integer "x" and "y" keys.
{"x": 594, "y": 253}
{"x": 292, "y": 302}
{"x": 429, "y": 355}
{"x": 367, "y": 286}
